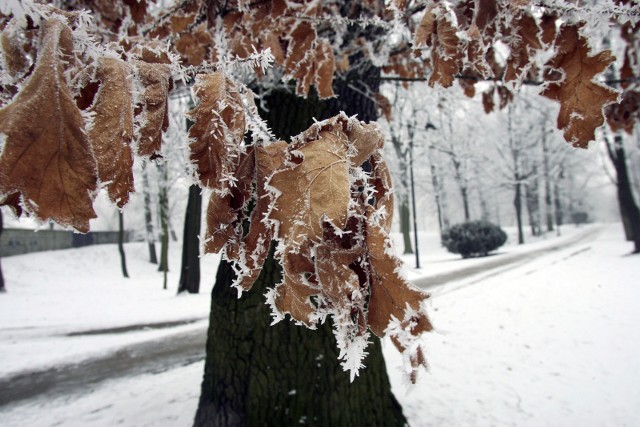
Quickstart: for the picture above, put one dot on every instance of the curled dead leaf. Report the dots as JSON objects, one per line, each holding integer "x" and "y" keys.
{"x": 112, "y": 130}
{"x": 154, "y": 116}
{"x": 46, "y": 156}
{"x": 218, "y": 130}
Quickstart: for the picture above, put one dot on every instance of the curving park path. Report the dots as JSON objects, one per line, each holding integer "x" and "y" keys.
{"x": 189, "y": 347}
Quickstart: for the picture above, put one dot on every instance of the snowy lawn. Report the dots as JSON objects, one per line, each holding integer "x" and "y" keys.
{"x": 553, "y": 342}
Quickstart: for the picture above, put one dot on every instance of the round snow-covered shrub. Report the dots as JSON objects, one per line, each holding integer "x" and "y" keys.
{"x": 473, "y": 238}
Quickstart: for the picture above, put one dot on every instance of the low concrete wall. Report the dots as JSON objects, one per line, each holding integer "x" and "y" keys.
{"x": 15, "y": 241}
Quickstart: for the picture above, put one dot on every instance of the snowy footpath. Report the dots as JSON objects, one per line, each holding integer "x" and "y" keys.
{"x": 547, "y": 338}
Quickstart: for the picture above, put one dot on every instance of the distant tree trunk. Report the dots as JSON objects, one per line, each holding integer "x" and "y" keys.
{"x": 2, "y": 287}
{"x": 546, "y": 173}
{"x": 533, "y": 205}
{"x": 462, "y": 186}
{"x": 485, "y": 215}
{"x": 465, "y": 202}
{"x": 557, "y": 203}
{"x": 190, "y": 270}
{"x": 517, "y": 203}
{"x": 629, "y": 211}
{"x": 437, "y": 190}
{"x": 148, "y": 220}
{"x": 163, "y": 203}
{"x": 285, "y": 375}
{"x": 405, "y": 223}
{"x": 123, "y": 258}
{"x": 172, "y": 231}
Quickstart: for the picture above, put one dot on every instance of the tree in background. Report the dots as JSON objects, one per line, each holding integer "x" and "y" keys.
{"x": 2, "y": 287}
{"x": 622, "y": 119}
{"x": 325, "y": 198}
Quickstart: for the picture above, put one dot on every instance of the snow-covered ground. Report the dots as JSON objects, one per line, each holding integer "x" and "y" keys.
{"x": 551, "y": 342}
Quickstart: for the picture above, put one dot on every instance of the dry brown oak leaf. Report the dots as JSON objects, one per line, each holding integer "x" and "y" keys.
{"x": 218, "y": 129}
{"x": 46, "y": 156}
{"x": 436, "y": 30}
{"x": 314, "y": 190}
{"x": 224, "y": 212}
{"x": 390, "y": 293}
{"x": 581, "y": 99}
{"x": 293, "y": 294}
{"x": 156, "y": 80}
{"x": 112, "y": 130}
{"x": 254, "y": 247}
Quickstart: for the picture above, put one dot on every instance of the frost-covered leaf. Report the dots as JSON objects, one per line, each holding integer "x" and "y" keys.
{"x": 224, "y": 212}
{"x": 625, "y": 114}
{"x": 438, "y": 31}
{"x": 314, "y": 189}
{"x": 309, "y": 61}
{"x": 581, "y": 99}
{"x": 395, "y": 306}
{"x": 293, "y": 294}
{"x": 13, "y": 202}
{"x": 46, "y": 155}
{"x": 112, "y": 130}
{"x": 194, "y": 46}
{"x": 333, "y": 220}
{"x": 218, "y": 129}
{"x": 14, "y": 56}
{"x": 254, "y": 247}
{"x": 523, "y": 47}
{"x": 381, "y": 182}
{"x": 155, "y": 78}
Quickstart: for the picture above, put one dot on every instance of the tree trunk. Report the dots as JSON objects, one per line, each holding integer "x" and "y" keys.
{"x": 533, "y": 205}
{"x": 163, "y": 203}
{"x": 256, "y": 374}
{"x": 465, "y": 202}
{"x": 405, "y": 223}
{"x": 2, "y": 287}
{"x": 517, "y": 203}
{"x": 148, "y": 220}
{"x": 190, "y": 270}
{"x": 283, "y": 375}
{"x": 548, "y": 200}
{"x": 123, "y": 258}
{"x": 435, "y": 183}
{"x": 629, "y": 211}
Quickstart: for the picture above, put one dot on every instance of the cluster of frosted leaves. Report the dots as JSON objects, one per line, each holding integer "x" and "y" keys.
{"x": 288, "y": 30}
{"x": 73, "y": 123}
{"x": 331, "y": 221}
{"x": 461, "y": 39}
{"x": 465, "y": 41}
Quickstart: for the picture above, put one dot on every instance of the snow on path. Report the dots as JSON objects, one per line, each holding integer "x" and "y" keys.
{"x": 553, "y": 342}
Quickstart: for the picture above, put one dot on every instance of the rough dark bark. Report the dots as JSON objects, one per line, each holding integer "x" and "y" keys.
{"x": 190, "y": 269}
{"x": 281, "y": 375}
{"x": 465, "y": 203}
{"x": 123, "y": 257}
{"x": 148, "y": 220}
{"x": 629, "y": 211}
